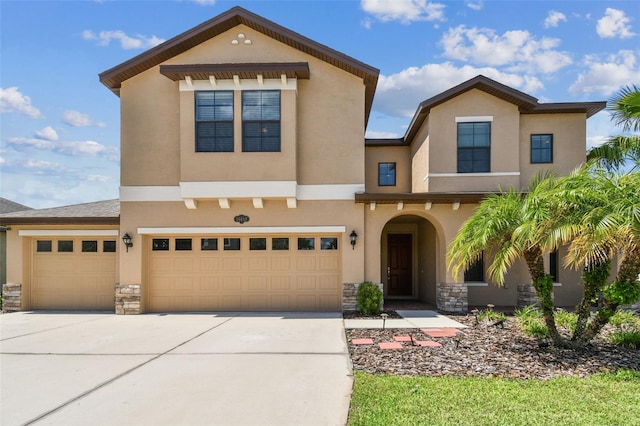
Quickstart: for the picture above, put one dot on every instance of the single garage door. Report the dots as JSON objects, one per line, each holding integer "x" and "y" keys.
{"x": 244, "y": 273}
{"x": 74, "y": 273}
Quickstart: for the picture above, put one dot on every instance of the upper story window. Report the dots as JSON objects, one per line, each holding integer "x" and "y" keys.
{"x": 387, "y": 174}
{"x": 214, "y": 121}
{"x": 474, "y": 147}
{"x": 542, "y": 148}
{"x": 261, "y": 121}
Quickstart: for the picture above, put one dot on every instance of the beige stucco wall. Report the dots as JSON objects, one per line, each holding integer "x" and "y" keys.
{"x": 388, "y": 154}
{"x": 420, "y": 159}
{"x": 443, "y": 156}
{"x": 323, "y": 119}
{"x": 569, "y": 143}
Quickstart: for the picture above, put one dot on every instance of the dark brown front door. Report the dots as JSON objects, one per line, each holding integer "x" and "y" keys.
{"x": 399, "y": 262}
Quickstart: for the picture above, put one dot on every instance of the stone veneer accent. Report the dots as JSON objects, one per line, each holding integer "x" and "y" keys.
{"x": 527, "y": 295}
{"x": 11, "y": 297}
{"x": 452, "y": 297}
{"x": 127, "y": 299}
{"x": 349, "y": 294}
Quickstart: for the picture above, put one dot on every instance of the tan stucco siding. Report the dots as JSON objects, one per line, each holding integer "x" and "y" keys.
{"x": 388, "y": 154}
{"x": 569, "y": 143}
{"x": 505, "y": 157}
{"x": 150, "y": 144}
{"x": 420, "y": 159}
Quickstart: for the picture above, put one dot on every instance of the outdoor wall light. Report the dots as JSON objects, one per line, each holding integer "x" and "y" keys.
{"x": 126, "y": 239}
{"x": 353, "y": 237}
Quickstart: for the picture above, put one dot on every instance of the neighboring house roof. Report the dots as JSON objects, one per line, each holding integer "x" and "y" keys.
{"x": 526, "y": 104}
{"x": 100, "y": 212}
{"x": 114, "y": 77}
{"x": 8, "y": 206}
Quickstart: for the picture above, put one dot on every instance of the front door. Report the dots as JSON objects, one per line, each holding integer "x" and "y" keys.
{"x": 399, "y": 264}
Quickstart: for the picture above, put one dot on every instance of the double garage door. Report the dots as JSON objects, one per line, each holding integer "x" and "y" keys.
{"x": 244, "y": 273}
{"x": 73, "y": 273}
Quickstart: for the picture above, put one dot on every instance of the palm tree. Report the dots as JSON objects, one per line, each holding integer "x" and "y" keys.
{"x": 617, "y": 150}
{"x": 499, "y": 223}
{"x": 598, "y": 215}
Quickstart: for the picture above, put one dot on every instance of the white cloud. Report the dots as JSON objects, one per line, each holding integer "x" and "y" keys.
{"x": 126, "y": 42}
{"x": 614, "y": 24}
{"x": 11, "y": 100}
{"x": 77, "y": 119}
{"x": 376, "y": 134}
{"x": 554, "y": 18}
{"x": 405, "y": 11}
{"x": 204, "y": 2}
{"x": 475, "y": 5}
{"x": 399, "y": 94}
{"x": 517, "y": 49}
{"x": 605, "y": 76}
{"x": 40, "y": 167}
{"x": 82, "y": 148}
{"x": 48, "y": 133}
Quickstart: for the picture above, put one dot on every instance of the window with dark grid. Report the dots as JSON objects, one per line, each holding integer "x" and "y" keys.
{"x": 214, "y": 121}
{"x": 387, "y": 174}
{"x": 475, "y": 272}
{"x": 261, "y": 121}
{"x": 474, "y": 147}
{"x": 542, "y": 148}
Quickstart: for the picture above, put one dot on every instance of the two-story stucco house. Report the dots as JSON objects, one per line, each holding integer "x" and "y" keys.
{"x": 247, "y": 184}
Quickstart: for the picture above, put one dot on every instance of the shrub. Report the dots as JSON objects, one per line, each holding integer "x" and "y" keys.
{"x": 625, "y": 319}
{"x": 531, "y": 321}
{"x": 628, "y": 339}
{"x": 490, "y": 315}
{"x": 566, "y": 319}
{"x": 369, "y": 297}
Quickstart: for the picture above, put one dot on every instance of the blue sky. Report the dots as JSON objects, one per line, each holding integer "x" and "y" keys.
{"x": 59, "y": 135}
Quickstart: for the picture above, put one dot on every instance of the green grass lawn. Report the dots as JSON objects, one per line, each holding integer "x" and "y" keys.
{"x": 606, "y": 399}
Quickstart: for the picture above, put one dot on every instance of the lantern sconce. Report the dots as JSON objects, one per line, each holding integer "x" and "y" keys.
{"x": 126, "y": 239}
{"x": 353, "y": 237}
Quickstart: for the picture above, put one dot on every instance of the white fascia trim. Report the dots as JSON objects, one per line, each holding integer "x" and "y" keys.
{"x": 150, "y": 193}
{"x": 329, "y": 192}
{"x": 245, "y": 84}
{"x": 68, "y": 233}
{"x": 477, "y": 284}
{"x": 243, "y": 189}
{"x": 474, "y": 118}
{"x": 244, "y": 230}
{"x": 459, "y": 175}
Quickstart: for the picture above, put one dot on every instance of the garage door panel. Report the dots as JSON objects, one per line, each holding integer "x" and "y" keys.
{"x": 257, "y": 263}
{"x": 280, "y": 283}
{"x": 306, "y": 263}
{"x": 236, "y": 280}
{"x": 73, "y": 280}
{"x": 258, "y": 283}
{"x": 232, "y": 264}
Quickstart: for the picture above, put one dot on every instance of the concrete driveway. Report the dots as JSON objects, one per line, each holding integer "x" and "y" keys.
{"x": 174, "y": 369}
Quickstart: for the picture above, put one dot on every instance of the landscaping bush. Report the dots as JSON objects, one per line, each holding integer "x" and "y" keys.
{"x": 628, "y": 339}
{"x": 369, "y": 297}
{"x": 490, "y": 315}
{"x": 625, "y": 319}
{"x": 566, "y": 319}
{"x": 531, "y": 321}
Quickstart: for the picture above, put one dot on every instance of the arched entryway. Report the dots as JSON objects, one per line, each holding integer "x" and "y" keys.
{"x": 409, "y": 258}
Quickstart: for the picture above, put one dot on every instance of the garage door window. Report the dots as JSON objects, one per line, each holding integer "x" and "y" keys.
{"x": 160, "y": 244}
{"x": 109, "y": 246}
{"x": 257, "y": 243}
{"x": 89, "y": 246}
{"x": 306, "y": 243}
{"x": 183, "y": 244}
{"x": 280, "y": 244}
{"x": 328, "y": 244}
{"x": 232, "y": 243}
{"x": 208, "y": 244}
{"x": 43, "y": 246}
{"x": 65, "y": 246}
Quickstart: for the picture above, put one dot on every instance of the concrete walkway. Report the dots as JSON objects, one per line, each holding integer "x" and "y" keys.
{"x": 410, "y": 319}
{"x": 187, "y": 369}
